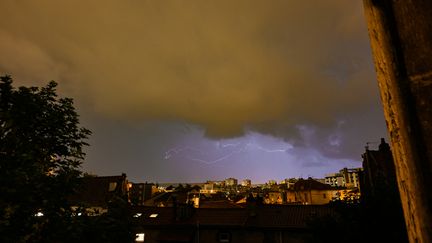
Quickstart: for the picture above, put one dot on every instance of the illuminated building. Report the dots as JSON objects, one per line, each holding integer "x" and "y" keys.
{"x": 272, "y": 182}
{"x": 246, "y": 183}
{"x": 289, "y": 182}
{"x": 140, "y": 192}
{"x": 231, "y": 182}
{"x": 311, "y": 191}
{"x": 345, "y": 178}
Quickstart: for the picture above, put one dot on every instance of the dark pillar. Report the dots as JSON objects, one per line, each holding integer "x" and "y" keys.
{"x": 400, "y": 32}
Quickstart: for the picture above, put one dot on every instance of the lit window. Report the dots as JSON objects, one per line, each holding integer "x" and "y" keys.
{"x": 39, "y": 214}
{"x": 139, "y": 237}
{"x": 153, "y": 215}
{"x": 137, "y": 215}
{"x": 112, "y": 186}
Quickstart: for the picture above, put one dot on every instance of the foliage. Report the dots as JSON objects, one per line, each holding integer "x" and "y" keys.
{"x": 41, "y": 152}
{"x": 114, "y": 226}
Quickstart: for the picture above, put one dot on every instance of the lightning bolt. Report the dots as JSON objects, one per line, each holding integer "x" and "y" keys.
{"x": 238, "y": 148}
{"x": 176, "y": 150}
{"x": 254, "y": 145}
{"x": 229, "y": 145}
{"x": 217, "y": 160}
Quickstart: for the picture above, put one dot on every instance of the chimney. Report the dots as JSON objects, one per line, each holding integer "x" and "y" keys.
{"x": 384, "y": 146}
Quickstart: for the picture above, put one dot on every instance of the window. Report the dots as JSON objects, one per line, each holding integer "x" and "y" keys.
{"x": 139, "y": 237}
{"x": 154, "y": 215}
{"x": 112, "y": 186}
{"x": 224, "y": 237}
{"x": 324, "y": 195}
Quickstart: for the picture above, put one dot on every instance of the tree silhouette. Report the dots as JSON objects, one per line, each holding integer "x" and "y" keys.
{"x": 40, "y": 155}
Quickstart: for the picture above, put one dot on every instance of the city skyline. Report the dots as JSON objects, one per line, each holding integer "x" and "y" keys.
{"x": 240, "y": 180}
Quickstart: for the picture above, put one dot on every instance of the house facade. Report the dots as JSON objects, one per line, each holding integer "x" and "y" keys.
{"x": 254, "y": 224}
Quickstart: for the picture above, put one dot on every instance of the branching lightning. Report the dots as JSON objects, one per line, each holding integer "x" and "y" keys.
{"x": 234, "y": 148}
{"x": 176, "y": 150}
{"x": 218, "y": 159}
{"x": 253, "y": 145}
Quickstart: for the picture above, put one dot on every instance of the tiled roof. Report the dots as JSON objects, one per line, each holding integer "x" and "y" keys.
{"x": 176, "y": 235}
{"x": 265, "y": 216}
{"x": 205, "y": 216}
{"x": 221, "y": 216}
{"x": 165, "y": 215}
{"x": 310, "y": 184}
{"x": 95, "y": 191}
{"x": 168, "y": 197}
{"x": 281, "y": 216}
{"x": 219, "y": 204}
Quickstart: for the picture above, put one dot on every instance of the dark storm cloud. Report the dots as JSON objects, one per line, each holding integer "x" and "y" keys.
{"x": 287, "y": 68}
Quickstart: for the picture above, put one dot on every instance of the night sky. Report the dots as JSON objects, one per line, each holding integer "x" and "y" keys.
{"x": 185, "y": 91}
